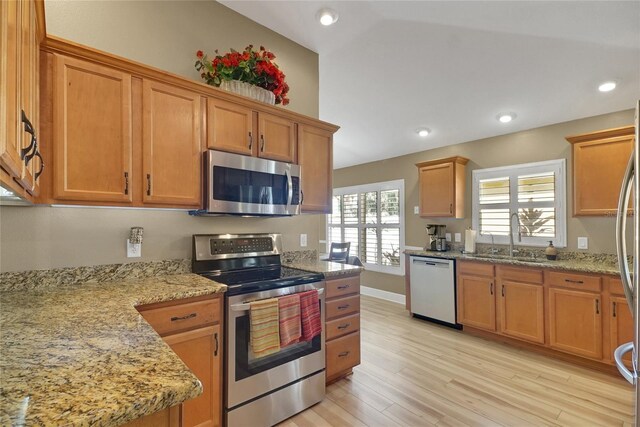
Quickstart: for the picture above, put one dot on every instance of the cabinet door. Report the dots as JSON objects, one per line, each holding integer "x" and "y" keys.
{"x": 10, "y": 129}
{"x": 476, "y": 302}
{"x": 575, "y": 322}
{"x": 200, "y": 350}
{"x": 277, "y": 138}
{"x": 522, "y": 310}
{"x": 620, "y": 325}
{"x": 436, "y": 190}
{"x": 92, "y": 132}
{"x": 230, "y": 128}
{"x": 315, "y": 157}
{"x": 171, "y": 160}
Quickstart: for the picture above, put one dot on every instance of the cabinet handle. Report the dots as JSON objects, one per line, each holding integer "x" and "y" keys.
{"x": 491, "y": 288}
{"x": 450, "y": 207}
{"x": 250, "y": 141}
{"x": 344, "y": 326}
{"x": 579, "y": 282}
{"x": 148, "y": 184}
{"x": 262, "y": 143}
{"x": 215, "y": 336}
{"x": 344, "y": 287}
{"x": 344, "y": 354}
{"x": 342, "y": 307}
{"x": 33, "y": 145}
{"x": 41, "y": 166}
{"x": 614, "y": 309}
{"x": 188, "y": 316}
{"x": 597, "y": 306}
{"x": 302, "y": 196}
{"x": 503, "y": 290}
{"x": 126, "y": 183}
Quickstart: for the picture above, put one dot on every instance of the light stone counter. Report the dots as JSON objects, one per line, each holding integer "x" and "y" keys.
{"x": 594, "y": 263}
{"x": 81, "y": 354}
{"x": 327, "y": 268}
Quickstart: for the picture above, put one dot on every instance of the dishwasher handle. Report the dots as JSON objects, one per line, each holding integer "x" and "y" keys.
{"x": 431, "y": 262}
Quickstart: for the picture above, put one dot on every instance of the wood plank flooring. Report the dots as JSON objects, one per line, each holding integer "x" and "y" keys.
{"x": 415, "y": 373}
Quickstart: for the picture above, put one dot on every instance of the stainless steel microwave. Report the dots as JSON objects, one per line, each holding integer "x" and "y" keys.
{"x": 244, "y": 185}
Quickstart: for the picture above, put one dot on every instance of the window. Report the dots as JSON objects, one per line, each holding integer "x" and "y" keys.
{"x": 371, "y": 218}
{"x": 533, "y": 191}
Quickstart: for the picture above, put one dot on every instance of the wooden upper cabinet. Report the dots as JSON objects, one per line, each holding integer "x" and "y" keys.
{"x": 477, "y": 302}
{"x": 231, "y": 127}
{"x": 92, "y": 144}
{"x": 171, "y": 149}
{"x": 442, "y": 187}
{"x": 315, "y": 157}
{"x": 575, "y": 322}
{"x": 599, "y": 161}
{"x": 522, "y": 310}
{"x": 277, "y": 138}
{"x": 10, "y": 62}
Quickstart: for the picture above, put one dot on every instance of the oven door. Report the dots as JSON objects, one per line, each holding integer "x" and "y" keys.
{"x": 248, "y": 377}
{"x": 251, "y": 186}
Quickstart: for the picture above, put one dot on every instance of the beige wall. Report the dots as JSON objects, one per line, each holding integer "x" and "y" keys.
{"x": 538, "y": 144}
{"x": 164, "y": 34}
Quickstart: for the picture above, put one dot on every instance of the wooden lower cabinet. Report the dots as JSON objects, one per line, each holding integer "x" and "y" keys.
{"x": 620, "y": 325}
{"x": 477, "y": 302}
{"x": 169, "y": 417}
{"x": 342, "y": 326}
{"x": 521, "y": 307}
{"x": 193, "y": 330}
{"x": 575, "y": 322}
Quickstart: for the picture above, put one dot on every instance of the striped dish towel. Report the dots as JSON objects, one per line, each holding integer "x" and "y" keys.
{"x": 310, "y": 314}
{"x": 290, "y": 332}
{"x": 264, "y": 330}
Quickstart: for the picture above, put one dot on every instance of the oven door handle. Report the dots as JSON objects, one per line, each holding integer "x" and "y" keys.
{"x": 245, "y": 305}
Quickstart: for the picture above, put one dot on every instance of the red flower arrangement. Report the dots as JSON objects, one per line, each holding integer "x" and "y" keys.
{"x": 254, "y": 67}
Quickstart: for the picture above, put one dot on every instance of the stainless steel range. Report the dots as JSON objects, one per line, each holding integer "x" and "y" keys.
{"x": 266, "y": 390}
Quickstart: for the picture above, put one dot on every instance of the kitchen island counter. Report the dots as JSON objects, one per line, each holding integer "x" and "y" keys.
{"x": 81, "y": 354}
{"x": 327, "y": 268}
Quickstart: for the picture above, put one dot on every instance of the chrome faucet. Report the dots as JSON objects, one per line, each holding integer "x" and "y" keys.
{"x": 511, "y": 250}
{"x": 493, "y": 244}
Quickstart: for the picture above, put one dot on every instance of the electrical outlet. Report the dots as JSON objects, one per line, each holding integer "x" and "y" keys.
{"x": 458, "y": 237}
{"x": 134, "y": 250}
{"x": 416, "y": 210}
{"x": 303, "y": 240}
{"x": 583, "y": 243}
{"x": 447, "y": 237}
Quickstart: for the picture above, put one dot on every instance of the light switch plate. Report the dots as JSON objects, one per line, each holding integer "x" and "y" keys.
{"x": 134, "y": 250}
{"x": 303, "y": 240}
{"x": 447, "y": 237}
{"x": 416, "y": 210}
{"x": 583, "y": 243}
{"x": 458, "y": 237}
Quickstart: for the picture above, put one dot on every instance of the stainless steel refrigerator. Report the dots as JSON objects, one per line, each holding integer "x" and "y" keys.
{"x": 630, "y": 276}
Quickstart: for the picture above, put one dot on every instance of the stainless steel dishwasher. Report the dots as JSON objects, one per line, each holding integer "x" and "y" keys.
{"x": 433, "y": 291}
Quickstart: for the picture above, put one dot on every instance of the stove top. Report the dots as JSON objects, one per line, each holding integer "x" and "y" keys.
{"x": 260, "y": 279}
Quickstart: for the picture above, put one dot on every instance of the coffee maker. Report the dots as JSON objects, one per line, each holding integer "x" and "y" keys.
{"x": 437, "y": 240}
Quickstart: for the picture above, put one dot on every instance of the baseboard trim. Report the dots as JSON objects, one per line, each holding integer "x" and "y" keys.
{"x": 385, "y": 295}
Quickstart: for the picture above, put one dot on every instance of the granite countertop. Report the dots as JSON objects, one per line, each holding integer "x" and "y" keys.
{"x": 327, "y": 268}
{"x": 82, "y": 355}
{"x": 597, "y": 265}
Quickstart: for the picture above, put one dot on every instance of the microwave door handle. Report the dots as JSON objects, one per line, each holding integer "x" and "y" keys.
{"x": 289, "y": 187}
{"x": 621, "y": 226}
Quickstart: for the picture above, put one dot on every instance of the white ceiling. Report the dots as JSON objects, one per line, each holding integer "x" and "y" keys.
{"x": 390, "y": 67}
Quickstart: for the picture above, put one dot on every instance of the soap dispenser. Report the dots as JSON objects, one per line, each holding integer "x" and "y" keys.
{"x": 551, "y": 252}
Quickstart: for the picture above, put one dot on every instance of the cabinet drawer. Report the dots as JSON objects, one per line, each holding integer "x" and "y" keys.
{"x": 574, "y": 281}
{"x": 167, "y": 320}
{"x": 343, "y": 354}
{"x": 520, "y": 274}
{"x": 342, "y": 306}
{"x": 615, "y": 285}
{"x": 475, "y": 268}
{"x": 344, "y": 286}
{"x": 342, "y": 326}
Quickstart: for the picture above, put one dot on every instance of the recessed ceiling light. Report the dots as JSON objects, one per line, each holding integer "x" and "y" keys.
{"x": 607, "y": 86}
{"x": 505, "y": 117}
{"x": 423, "y": 132}
{"x": 327, "y": 16}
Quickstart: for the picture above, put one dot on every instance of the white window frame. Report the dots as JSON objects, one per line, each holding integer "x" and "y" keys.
{"x": 558, "y": 167}
{"x": 377, "y": 186}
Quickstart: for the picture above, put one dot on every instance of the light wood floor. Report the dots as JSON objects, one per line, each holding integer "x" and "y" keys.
{"x": 415, "y": 373}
